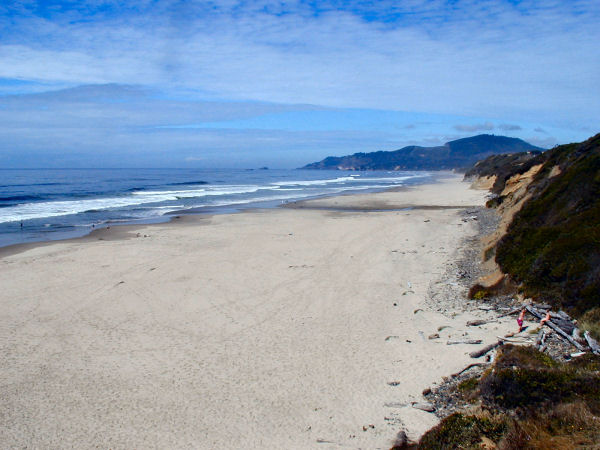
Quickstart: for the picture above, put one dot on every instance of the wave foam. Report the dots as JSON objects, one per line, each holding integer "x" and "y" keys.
{"x": 316, "y": 182}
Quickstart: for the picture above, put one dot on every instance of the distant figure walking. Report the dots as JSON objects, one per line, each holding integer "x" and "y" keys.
{"x": 520, "y": 319}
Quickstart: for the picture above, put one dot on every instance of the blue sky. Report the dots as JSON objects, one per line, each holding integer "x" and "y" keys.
{"x": 145, "y": 83}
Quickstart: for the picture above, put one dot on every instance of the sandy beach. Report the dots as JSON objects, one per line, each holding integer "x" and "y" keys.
{"x": 297, "y": 327}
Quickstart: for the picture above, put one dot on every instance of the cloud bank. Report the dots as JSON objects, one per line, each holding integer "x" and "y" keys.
{"x": 176, "y": 64}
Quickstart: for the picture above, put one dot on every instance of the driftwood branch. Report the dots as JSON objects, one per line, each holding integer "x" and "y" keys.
{"x": 592, "y": 343}
{"x": 522, "y": 340}
{"x": 454, "y": 375}
{"x": 556, "y": 328}
{"x": 540, "y": 339}
{"x": 479, "y": 353}
{"x": 476, "y": 323}
{"x": 463, "y": 341}
{"x": 511, "y": 312}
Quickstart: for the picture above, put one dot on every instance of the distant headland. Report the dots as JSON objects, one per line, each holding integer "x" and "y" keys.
{"x": 457, "y": 154}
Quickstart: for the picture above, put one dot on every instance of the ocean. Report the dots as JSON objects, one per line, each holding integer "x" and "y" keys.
{"x": 51, "y": 204}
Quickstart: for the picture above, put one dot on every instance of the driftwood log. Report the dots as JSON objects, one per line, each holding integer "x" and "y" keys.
{"x": 427, "y": 407}
{"x": 488, "y": 348}
{"x": 592, "y": 343}
{"x": 454, "y": 375}
{"x": 521, "y": 340}
{"x": 540, "y": 339}
{"x": 511, "y": 312}
{"x": 463, "y": 341}
{"x": 555, "y": 327}
{"x": 476, "y": 323}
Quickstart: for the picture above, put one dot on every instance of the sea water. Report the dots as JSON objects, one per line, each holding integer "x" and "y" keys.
{"x": 50, "y": 204}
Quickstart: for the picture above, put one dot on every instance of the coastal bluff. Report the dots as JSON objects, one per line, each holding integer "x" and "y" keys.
{"x": 539, "y": 385}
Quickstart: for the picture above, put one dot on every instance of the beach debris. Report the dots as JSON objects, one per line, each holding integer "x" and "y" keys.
{"x": 560, "y": 318}
{"x": 519, "y": 340}
{"x": 394, "y": 405}
{"x": 470, "y": 366}
{"x": 427, "y": 407}
{"x": 488, "y": 348}
{"x": 441, "y": 327}
{"x": 485, "y": 307}
{"x": 391, "y": 337}
{"x": 366, "y": 427}
{"x": 511, "y": 312}
{"x": 592, "y": 343}
{"x": 426, "y": 391}
{"x": 433, "y": 336}
{"x": 476, "y": 323}
{"x": 549, "y": 321}
{"x": 417, "y": 310}
{"x": 463, "y": 341}
{"x": 394, "y": 383}
{"x": 540, "y": 339}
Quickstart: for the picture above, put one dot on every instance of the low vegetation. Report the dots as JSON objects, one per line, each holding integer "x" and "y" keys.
{"x": 552, "y": 247}
{"x": 526, "y": 401}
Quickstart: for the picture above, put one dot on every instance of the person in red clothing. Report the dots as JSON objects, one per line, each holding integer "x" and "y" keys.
{"x": 520, "y": 319}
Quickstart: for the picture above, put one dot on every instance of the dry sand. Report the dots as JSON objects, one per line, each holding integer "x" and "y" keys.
{"x": 266, "y": 329}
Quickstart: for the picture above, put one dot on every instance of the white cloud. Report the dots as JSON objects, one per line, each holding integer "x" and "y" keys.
{"x": 509, "y": 127}
{"x": 487, "y": 126}
{"x": 467, "y": 57}
{"x": 157, "y": 66}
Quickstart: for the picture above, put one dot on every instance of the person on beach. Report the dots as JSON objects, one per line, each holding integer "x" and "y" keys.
{"x": 520, "y": 319}
{"x": 545, "y": 319}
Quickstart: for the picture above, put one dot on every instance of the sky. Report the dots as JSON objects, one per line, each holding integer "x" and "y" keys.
{"x": 151, "y": 83}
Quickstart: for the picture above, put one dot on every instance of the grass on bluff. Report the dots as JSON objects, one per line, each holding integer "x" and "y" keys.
{"x": 590, "y": 321}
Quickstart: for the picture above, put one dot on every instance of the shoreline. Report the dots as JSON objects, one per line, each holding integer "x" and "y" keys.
{"x": 170, "y": 217}
{"x": 273, "y": 328}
